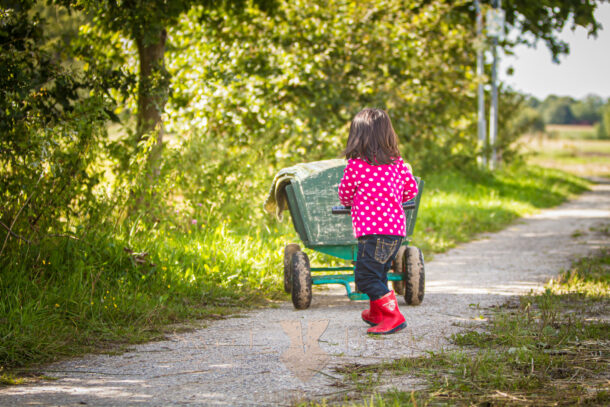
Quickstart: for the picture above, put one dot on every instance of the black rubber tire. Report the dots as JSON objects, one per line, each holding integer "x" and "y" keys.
{"x": 301, "y": 280}
{"x": 289, "y": 250}
{"x": 398, "y": 266}
{"x": 415, "y": 276}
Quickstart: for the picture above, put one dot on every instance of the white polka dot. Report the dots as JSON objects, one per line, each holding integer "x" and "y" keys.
{"x": 368, "y": 170}
{"x": 360, "y": 166}
{"x": 385, "y": 224}
{"x": 374, "y": 223}
{"x": 368, "y": 228}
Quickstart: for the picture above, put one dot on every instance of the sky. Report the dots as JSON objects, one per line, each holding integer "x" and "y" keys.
{"x": 586, "y": 70}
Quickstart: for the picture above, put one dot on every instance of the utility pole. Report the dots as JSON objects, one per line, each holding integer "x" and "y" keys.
{"x": 495, "y": 24}
{"x": 481, "y": 125}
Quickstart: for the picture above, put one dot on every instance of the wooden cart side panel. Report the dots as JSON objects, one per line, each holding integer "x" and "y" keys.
{"x": 411, "y": 216}
{"x": 320, "y": 193}
{"x": 311, "y": 201}
{"x": 296, "y": 214}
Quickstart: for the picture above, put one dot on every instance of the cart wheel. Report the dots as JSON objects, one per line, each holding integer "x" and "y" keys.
{"x": 289, "y": 250}
{"x": 398, "y": 266}
{"x": 414, "y": 275}
{"x": 301, "y": 280}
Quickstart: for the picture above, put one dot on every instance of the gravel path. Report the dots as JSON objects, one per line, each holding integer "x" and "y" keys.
{"x": 279, "y": 355}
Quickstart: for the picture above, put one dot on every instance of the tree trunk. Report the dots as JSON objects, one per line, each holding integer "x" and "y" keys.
{"x": 152, "y": 93}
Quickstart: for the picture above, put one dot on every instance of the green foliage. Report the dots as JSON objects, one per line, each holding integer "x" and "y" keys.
{"x": 51, "y": 132}
{"x": 254, "y": 95}
{"x": 544, "y": 20}
{"x": 516, "y": 120}
{"x": 566, "y": 110}
{"x": 557, "y": 110}
{"x": 603, "y": 129}
{"x": 588, "y": 110}
{"x": 144, "y": 18}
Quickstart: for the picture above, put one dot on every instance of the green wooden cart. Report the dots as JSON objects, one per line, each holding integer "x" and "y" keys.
{"x": 311, "y": 201}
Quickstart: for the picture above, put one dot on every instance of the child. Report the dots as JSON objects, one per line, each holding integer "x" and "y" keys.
{"x": 375, "y": 183}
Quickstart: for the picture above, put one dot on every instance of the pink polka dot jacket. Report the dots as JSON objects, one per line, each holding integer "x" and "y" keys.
{"x": 376, "y": 194}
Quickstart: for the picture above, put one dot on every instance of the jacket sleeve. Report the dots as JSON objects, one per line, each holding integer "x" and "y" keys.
{"x": 411, "y": 189}
{"x": 348, "y": 185}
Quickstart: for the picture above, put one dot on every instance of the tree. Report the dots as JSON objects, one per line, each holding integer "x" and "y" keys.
{"x": 146, "y": 22}
{"x": 588, "y": 110}
{"x": 544, "y": 20}
{"x": 557, "y": 110}
{"x": 603, "y": 129}
{"x": 50, "y": 131}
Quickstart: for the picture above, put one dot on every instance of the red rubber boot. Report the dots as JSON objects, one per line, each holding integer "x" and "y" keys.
{"x": 391, "y": 318}
{"x": 371, "y": 316}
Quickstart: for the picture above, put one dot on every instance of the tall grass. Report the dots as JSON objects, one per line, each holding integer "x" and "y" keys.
{"x": 66, "y": 296}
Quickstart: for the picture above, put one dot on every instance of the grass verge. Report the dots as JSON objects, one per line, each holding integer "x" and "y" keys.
{"x": 580, "y": 157}
{"x": 547, "y": 349}
{"x": 114, "y": 287}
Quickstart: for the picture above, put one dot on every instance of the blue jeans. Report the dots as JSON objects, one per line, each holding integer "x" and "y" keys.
{"x": 375, "y": 255}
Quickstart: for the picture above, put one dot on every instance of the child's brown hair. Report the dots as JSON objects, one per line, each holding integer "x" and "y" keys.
{"x": 372, "y": 138}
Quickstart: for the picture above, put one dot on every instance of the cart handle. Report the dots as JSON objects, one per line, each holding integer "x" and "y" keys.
{"x": 340, "y": 210}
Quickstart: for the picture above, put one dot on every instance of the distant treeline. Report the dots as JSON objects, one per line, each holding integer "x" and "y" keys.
{"x": 567, "y": 110}
{"x": 590, "y": 110}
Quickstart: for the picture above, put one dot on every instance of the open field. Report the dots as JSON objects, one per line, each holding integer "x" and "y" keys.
{"x": 571, "y": 131}
{"x": 588, "y": 158}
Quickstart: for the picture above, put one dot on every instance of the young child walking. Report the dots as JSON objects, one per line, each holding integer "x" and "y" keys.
{"x": 375, "y": 183}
